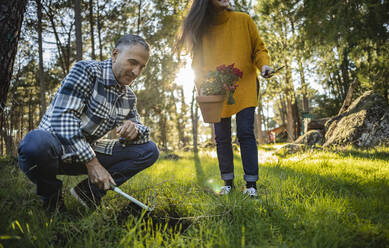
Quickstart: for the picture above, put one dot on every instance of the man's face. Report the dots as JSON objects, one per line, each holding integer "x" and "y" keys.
{"x": 128, "y": 62}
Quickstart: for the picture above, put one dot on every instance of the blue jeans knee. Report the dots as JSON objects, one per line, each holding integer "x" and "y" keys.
{"x": 39, "y": 151}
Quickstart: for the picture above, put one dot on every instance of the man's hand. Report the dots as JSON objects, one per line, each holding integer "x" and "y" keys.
{"x": 99, "y": 175}
{"x": 128, "y": 130}
{"x": 267, "y": 71}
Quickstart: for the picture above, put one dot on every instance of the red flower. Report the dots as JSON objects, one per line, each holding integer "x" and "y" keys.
{"x": 237, "y": 72}
{"x": 221, "y": 68}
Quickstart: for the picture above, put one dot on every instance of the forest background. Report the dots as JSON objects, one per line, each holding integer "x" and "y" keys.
{"x": 324, "y": 45}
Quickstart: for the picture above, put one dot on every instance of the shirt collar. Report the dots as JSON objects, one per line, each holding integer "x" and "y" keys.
{"x": 109, "y": 77}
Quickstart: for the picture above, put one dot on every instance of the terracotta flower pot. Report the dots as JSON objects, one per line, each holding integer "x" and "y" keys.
{"x": 211, "y": 107}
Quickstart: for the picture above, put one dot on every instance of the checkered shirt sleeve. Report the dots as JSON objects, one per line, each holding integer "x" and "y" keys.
{"x": 66, "y": 110}
{"x": 143, "y": 131}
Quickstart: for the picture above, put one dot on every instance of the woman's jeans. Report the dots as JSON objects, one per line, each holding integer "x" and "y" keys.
{"x": 40, "y": 159}
{"x": 248, "y": 145}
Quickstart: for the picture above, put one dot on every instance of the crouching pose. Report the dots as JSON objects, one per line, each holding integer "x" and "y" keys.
{"x": 94, "y": 98}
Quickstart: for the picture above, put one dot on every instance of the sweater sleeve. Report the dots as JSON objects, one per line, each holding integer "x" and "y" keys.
{"x": 260, "y": 54}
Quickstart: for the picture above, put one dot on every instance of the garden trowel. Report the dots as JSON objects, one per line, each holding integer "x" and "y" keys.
{"x": 132, "y": 199}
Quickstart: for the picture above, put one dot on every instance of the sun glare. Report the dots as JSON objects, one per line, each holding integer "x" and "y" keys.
{"x": 185, "y": 77}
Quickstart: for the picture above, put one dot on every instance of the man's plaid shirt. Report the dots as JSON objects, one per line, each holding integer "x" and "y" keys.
{"x": 88, "y": 104}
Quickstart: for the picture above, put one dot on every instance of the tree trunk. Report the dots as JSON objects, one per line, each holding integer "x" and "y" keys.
{"x": 259, "y": 122}
{"x": 162, "y": 125}
{"x": 180, "y": 117}
{"x": 30, "y": 112}
{"x": 77, "y": 15}
{"x": 91, "y": 23}
{"x": 281, "y": 108}
{"x": 11, "y": 18}
{"x": 345, "y": 72}
{"x": 42, "y": 85}
{"x": 184, "y": 119}
{"x": 349, "y": 97}
{"x": 99, "y": 27}
{"x": 304, "y": 86}
{"x": 139, "y": 17}
{"x": 296, "y": 117}
{"x": 289, "y": 92}
{"x": 60, "y": 47}
{"x": 290, "y": 122}
{"x": 194, "y": 117}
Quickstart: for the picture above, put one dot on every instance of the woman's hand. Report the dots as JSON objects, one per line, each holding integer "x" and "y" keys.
{"x": 230, "y": 87}
{"x": 267, "y": 71}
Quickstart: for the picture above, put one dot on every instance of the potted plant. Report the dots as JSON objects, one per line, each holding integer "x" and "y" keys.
{"x": 218, "y": 84}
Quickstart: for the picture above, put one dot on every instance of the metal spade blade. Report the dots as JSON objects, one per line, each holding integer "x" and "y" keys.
{"x": 140, "y": 204}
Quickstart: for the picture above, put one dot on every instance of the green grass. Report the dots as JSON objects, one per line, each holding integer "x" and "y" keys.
{"x": 313, "y": 199}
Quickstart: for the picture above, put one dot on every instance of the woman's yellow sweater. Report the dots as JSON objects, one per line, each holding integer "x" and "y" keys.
{"x": 233, "y": 38}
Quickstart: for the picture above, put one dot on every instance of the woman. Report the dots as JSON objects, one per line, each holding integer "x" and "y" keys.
{"x": 215, "y": 35}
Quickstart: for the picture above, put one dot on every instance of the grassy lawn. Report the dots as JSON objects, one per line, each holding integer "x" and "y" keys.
{"x": 313, "y": 199}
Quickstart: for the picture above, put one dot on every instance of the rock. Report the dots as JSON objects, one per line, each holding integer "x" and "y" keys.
{"x": 317, "y": 124}
{"x": 364, "y": 124}
{"x": 290, "y": 149}
{"x": 311, "y": 138}
{"x": 170, "y": 156}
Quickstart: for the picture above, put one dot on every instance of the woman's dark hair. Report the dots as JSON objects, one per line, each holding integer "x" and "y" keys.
{"x": 195, "y": 24}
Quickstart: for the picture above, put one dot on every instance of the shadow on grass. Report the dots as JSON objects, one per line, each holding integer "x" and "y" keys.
{"x": 377, "y": 155}
{"x": 199, "y": 170}
{"x": 337, "y": 185}
{"x": 361, "y": 202}
{"x": 267, "y": 148}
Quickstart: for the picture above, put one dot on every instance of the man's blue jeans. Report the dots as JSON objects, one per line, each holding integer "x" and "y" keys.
{"x": 248, "y": 145}
{"x": 40, "y": 159}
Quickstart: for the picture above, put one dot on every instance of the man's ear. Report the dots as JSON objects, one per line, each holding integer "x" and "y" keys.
{"x": 115, "y": 53}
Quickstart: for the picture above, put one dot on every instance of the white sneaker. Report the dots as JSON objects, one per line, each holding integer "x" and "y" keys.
{"x": 252, "y": 192}
{"x": 225, "y": 190}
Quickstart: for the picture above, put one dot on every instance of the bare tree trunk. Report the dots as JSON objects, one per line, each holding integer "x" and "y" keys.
{"x": 289, "y": 91}
{"x": 20, "y": 125}
{"x": 99, "y": 27}
{"x": 77, "y": 15}
{"x": 194, "y": 116}
{"x": 1, "y": 144}
{"x": 296, "y": 117}
{"x": 60, "y": 47}
{"x": 139, "y": 17}
{"x": 184, "y": 119}
{"x": 304, "y": 86}
{"x": 283, "y": 111}
{"x": 91, "y": 23}
{"x": 349, "y": 97}
{"x": 290, "y": 122}
{"x": 11, "y": 18}
{"x": 42, "y": 85}
{"x": 30, "y": 112}
{"x": 162, "y": 125}
{"x": 179, "y": 118}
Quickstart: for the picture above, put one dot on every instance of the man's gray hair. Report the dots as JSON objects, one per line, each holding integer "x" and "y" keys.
{"x": 132, "y": 39}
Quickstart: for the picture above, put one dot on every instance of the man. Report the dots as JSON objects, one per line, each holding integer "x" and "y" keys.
{"x": 93, "y": 99}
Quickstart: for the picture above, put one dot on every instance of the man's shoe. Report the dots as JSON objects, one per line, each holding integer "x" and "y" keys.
{"x": 225, "y": 190}
{"x": 54, "y": 203}
{"x": 252, "y": 192}
{"x": 83, "y": 194}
